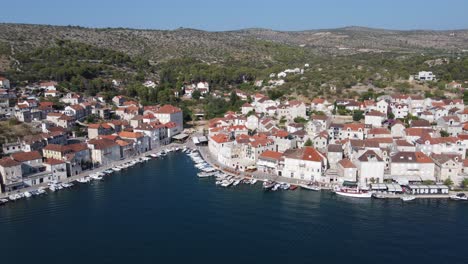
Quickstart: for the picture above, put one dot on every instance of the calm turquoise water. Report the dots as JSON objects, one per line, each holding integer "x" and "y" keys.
{"x": 160, "y": 212}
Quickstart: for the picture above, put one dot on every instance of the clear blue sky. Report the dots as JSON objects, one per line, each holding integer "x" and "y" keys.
{"x": 216, "y": 15}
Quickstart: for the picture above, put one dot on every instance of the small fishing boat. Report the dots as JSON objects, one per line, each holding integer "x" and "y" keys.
{"x": 27, "y": 194}
{"x": 293, "y": 187}
{"x": 3, "y": 201}
{"x": 236, "y": 182}
{"x": 407, "y": 198}
{"x": 253, "y": 181}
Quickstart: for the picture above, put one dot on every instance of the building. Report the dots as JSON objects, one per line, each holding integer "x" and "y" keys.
{"x": 269, "y": 161}
{"x": 374, "y": 118}
{"x": 370, "y": 167}
{"x": 352, "y": 131}
{"x": 415, "y": 166}
{"x": 4, "y": 83}
{"x": 346, "y": 171}
{"x": 104, "y": 151}
{"x": 304, "y": 164}
{"x": 11, "y": 174}
{"x": 425, "y": 76}
{"x": 169, "y": 113}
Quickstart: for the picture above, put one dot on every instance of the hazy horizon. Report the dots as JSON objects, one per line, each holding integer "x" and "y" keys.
{"x": 212, "y": 15}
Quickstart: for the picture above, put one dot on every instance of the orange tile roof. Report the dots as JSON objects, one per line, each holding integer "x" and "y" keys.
{"x": 220, "y": 138}
{"x": 125, "y": 134}
{"x": 168, "y": 109}
{"x": 271, "y": 155}
{"x": 346, "y": 163}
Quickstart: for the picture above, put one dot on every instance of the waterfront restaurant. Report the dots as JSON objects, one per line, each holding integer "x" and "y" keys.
{"x": 428, "y": 189}
{"x": 386, "y": 188}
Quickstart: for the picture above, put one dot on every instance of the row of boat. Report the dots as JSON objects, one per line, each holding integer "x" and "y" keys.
{"x": 56, "y": 185}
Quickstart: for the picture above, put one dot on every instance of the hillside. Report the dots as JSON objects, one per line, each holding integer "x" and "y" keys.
{"x": 159, "y": 45}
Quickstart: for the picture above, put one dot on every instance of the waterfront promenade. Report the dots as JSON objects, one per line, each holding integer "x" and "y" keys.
{"x": 95, "y": 170}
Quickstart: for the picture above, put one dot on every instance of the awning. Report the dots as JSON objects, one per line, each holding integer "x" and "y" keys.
{"x": 180, "y": 136}
{"x": 349, "y": 183}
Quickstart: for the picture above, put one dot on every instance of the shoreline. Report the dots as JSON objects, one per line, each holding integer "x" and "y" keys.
{"x": 87, "y": 173}
{"x": 204, "y": 153}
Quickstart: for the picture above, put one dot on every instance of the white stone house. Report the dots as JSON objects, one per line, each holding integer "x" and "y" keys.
{"x": 304, "y": 164}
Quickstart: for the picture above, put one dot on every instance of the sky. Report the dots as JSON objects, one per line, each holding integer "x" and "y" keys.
{"x": 220, "y": 15}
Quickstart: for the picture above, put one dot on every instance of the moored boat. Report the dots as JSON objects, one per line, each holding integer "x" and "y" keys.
{"x": 268, "y": 185}
{"x": 353, "y": 192}
{"x": 311, "y": 187}
{"x": 378, "y": 196}
{"x": 293, "y": 187}
{"x": 459, "y": 197}
{"x": 407, "y": 198}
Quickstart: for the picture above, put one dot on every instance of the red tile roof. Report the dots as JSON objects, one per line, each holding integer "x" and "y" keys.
{"x": 8, "y": 162}
{"x": 347, "y": 164}
{"x": 168, "y": 109}
{"x": 26, "y": 156}
{"x": 271, "y": 155}
{"x": 220, "y": 138}
{"x": 306, "y": 153}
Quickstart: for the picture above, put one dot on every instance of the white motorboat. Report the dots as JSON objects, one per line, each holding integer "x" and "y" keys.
{"x": 353, "y": 192}
{"x": 67, "y": 185}
{"x": 53, "y": 187}
{"x": 227, "y": 183}
{"x": 95, "y": 176}
{"x": 116, "y": 169}
{"x": 407, "y": 198}
{"x": 205, "y": 174}
{"x": 27, "y": 194}
{"x": 285, "y": 186}
{"x": 253, "y": 181}
{"x": 3, "y": 201}
{"x": 459, "y": 197}
{"x": 236, "y": 182}
{"x": 41, "y": 191}
{"x": 276, "y": 187}
{"x": 13, "y": 197}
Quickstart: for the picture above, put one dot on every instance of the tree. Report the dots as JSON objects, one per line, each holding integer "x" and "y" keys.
{"x": 448, "y": 182}
{"x": 391, "y": 115}
{"x": 196, "y": 95}
{"x": 308, "y": 143}
{"x": 464, "y": 183}
{"x": 300, "y": 120}
{"x": 358, "y": 115}
{"x": 444, "y": 133}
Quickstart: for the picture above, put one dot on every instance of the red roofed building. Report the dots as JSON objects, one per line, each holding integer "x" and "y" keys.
{"x": 352, "y": 131}
{"x": 269, "y": 161}
{"x": 104, "y": 151}
{"x": 415, "y": 165}
{"x": 305, "y": 164}
{"x": 169, "y": 113}
{"x": 346, "y": 171}
{"x": 11, "y": 174}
